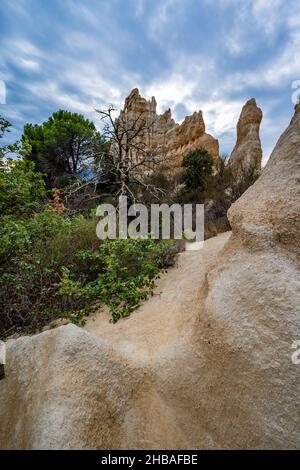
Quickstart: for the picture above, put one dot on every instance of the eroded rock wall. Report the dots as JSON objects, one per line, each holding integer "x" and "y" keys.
{"x": 172, "y": 140}
{"x": 250, "y": 313}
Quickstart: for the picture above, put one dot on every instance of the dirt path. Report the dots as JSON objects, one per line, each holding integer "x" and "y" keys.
{"x": 164, "y": 319}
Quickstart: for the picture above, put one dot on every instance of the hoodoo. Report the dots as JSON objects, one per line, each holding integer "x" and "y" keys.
{"x": 246, "y": 156}
{"x": 172, "y": 140}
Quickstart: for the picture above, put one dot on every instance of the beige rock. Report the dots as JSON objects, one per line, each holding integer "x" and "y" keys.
{"x": 62, "y": 391}
{"x": 247, "y": 154}
{"x": 205, "y": 363}
{"x": 174, "y": 141}
{"x": 190, "y": 136}
{"x": 55, "y": 323}
{"x": 251, "y": 315}
{"x": 268, "y": 212}
{"x": 125, "y": 386}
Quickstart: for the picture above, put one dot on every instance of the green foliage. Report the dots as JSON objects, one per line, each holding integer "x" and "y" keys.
{"x": 6, "y": 149}
{"x": 198, "y": 168}
{"x": 4, "y": 126}
{"x": 222, "y": 190}
{"x": 21, "y": 188}
{"x": 52, "y": 266}
{"x": 63, "y": 146}
{"x": 126, "y": 272}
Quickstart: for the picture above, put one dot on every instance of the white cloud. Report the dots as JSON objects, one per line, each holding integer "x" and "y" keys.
{"x": 50, "y": 91}
{"x": 88, "y": 70}
{"x": 275, "y": 73}
{"x": 19, "y": 45}
{"x": 28, "y": 64}
{"x": 21, "y": 53}
{"x": 258, "y": 19}
{"x": 172, "y": 91}
{"x": 162, "y": 15}
{"x": 221, "y": 116}
{"x": 268, "y": 14}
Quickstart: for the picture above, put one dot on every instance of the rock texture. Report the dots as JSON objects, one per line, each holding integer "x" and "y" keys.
{"x": 62, "y": 391}
{"x": 209, "y": 368}
{"x": 250, "y": 314}
{"x": 247, "y": 154}
{"x": 122, "y": 386}
{"x": 172, "y": 140}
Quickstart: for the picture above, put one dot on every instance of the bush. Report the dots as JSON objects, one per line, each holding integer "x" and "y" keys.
{"x": 222, "y": 190}
{"x": 22, "y": 190}
{"x": 53, "y": 266}
{"x": 124, "y": 274}
{"x": 26, "y": 279}
{"x": 198, "y": 167}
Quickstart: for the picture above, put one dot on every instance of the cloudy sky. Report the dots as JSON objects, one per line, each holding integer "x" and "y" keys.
{"x": 191, "y": 54}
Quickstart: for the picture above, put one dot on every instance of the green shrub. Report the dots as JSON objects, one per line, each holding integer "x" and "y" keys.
{"x": 198, "y": 168}
{"x": 26, "y": 280}
{"x": 53, "y": 266}
{"x": 124, "y": 274}
{"x": 22, "y": 190}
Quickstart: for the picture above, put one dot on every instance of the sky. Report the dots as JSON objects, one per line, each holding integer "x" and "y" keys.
{"x": 211, "y": 55}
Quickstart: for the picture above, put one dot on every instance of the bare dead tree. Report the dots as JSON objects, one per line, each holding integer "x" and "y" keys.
{"x": 131, "y": 155}
{"x": 79, "y": 193}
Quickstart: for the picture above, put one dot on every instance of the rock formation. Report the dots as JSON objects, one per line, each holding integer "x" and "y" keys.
{"x": 210, "y": 368}
{"x": 247, "y": 153}
{"x": 250, "y": 313}
{"x": 173, "y": 140}
{"x": 130, "y": 385}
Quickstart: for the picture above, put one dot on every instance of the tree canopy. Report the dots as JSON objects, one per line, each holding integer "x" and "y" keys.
{"x": 198, "y": 168}
{"x": 5, "y": 126}
{"x": 65, "y": 145}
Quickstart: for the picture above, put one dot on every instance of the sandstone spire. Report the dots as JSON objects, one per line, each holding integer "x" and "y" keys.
{"x": 247, "y": 153}
{"x": 174, "y": 140}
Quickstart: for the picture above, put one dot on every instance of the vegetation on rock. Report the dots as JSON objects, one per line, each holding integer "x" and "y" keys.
{"x": 52, "y": 264}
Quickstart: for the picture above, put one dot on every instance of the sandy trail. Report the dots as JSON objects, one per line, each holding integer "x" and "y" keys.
{"x": 163, "y": 320}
